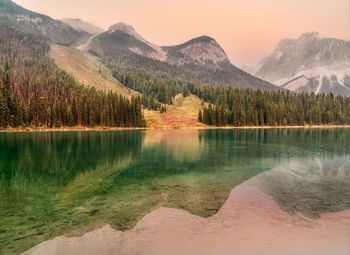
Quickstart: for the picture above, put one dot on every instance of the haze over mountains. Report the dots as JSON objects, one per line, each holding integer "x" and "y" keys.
{"x": 23, "y": 20}
{"x": 201, "y": 59}
{"x": 307, "y": 64}
{"x": 113, "y": 69}
{"x": 83, "y": 26}
{"x": 310, "y": 63}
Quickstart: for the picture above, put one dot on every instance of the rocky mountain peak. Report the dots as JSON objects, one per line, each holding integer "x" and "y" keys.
{"x": 202, "y": 50}
{"x": 203, "y": 38}
{"x": 310, "y": 36}
{"x": 128, "y": 29}
{"x": 305, "y": 38}
{"x": 83, "y": 26}
{"x": 310, "y": 63}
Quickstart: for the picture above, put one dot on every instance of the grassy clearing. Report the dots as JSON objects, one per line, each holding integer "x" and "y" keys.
{"x": 183, "y": 113}
{"x": 87, "y": 69}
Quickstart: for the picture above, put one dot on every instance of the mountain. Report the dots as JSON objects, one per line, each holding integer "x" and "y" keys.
{"x": 83, "y": 26}
{"x": 310, "y": 63}
{"x": 23, "y": 20}
{"x": 250, "y": 68}
{"x": 201, "y": 59}
{"x": 123, "y": 39}
{"x": 203, "y": 51}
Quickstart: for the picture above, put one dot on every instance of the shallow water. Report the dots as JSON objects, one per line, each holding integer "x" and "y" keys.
{"x": 54, "y": 184}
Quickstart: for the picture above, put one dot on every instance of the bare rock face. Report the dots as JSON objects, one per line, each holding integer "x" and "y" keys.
{"x": 126, "y": 38}
{"x": 201, "y": 59}
{"x": 199, "y": 51}
{"x": 310, "y": 63}
{"x": 83, "y": 26}
{"x": 26, "y": 21}
{"x": 203, "y": 51}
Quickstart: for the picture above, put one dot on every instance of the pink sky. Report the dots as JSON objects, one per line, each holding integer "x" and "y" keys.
{"x": 248, "y": 30}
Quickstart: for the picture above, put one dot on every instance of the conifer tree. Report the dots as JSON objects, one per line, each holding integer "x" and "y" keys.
{"x": 200, "y": 116}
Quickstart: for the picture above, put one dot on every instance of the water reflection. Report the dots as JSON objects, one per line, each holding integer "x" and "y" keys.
{"x": 310, "y": 187}
{"x": 69, "y": 183}
{"x": 61, "y": 156}
{"x": 254, "y": 220}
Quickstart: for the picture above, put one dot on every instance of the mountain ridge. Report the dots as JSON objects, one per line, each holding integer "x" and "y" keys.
{"x": 200, "y": 59}
{"x": 310, "y": 63}
{"x": 21, "y": 19}
{"x": 83, "y": 26}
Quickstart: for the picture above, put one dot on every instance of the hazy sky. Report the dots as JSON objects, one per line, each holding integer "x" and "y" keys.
{"x": 247, "y": 29}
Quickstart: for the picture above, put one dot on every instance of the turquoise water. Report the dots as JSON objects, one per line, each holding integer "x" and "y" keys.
{"x": 70, "y": 183}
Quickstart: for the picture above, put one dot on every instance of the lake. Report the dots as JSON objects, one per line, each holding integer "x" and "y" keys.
{"x": 242, "y": 192}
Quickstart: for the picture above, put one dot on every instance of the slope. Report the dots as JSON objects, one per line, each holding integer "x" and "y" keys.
{"x": 182, "y": 113}
{"x": 87, "y": 69}
{"x": 26, "y": 21}
{"x": 83, "y": 26}
{"x": 200, "y": 60}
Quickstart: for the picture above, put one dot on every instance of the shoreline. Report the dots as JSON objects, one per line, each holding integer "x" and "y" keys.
{"x": 68, "y": 129}
{"x": 110, "y": 129}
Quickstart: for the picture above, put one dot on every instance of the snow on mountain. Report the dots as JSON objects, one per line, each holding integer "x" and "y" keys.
{"x": 310, "y": 63}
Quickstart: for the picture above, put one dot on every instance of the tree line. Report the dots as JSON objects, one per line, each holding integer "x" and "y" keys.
{"x": 35, "y": 92}
{"x": 243, "y": 107}
{"x": 157, "y": 86}
{"x": 230, "y": 106}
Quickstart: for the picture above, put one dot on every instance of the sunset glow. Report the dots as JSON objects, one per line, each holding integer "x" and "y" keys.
{"x": 248, "y": 30}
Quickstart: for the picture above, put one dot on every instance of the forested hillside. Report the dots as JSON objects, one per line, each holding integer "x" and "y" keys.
{"x": 268, "y": 108}
{"x": 243, "y": 107}
{"x": 34, "y": 92}
{"x": 158, "y": 86}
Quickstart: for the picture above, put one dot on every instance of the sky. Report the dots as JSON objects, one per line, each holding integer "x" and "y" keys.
{"x": 248, "y": 30}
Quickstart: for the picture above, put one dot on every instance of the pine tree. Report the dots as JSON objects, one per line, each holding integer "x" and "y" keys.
{"x": 200, "y": 116}
{"x": 3, "y": 110}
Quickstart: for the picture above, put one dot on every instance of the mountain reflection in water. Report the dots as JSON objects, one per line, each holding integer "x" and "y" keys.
{"x": 267, "y": 214}
{"x": 55, "y": 184}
